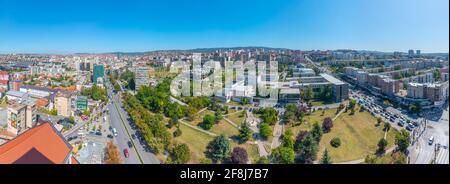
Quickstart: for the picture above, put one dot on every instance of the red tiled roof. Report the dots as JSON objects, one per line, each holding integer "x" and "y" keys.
{"x": 3, "y": 73}
{"x": 36, "y": 143}
{"x": 4, "y": 82}
{"x": 74, "y": 161}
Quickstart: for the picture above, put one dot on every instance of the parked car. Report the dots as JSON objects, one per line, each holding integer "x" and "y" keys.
{"x": 125, "y": 153}
{"x": 410, "y": 127}
{"x": 401, "y": 123}
{"x": 99, "y": 133}
{"x": 110, "y": 136}
{"x": 130, "y": 145}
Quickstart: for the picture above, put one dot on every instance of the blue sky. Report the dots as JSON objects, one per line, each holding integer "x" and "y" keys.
{"x": 68, "y": 26}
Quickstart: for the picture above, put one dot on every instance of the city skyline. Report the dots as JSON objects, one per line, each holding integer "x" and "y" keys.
{"x": 105, "y": 26}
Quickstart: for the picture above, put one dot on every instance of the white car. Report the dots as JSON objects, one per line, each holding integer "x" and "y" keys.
{"x": 431, "y": 140}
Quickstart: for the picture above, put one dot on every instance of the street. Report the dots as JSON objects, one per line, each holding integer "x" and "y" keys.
{"x": 119, "y": 119}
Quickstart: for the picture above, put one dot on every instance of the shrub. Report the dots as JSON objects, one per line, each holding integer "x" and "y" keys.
{"x": 335, "y": 142}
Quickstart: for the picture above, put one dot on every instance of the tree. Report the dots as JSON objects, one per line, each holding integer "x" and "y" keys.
{"x": 327, "y": 125}
{"x": 387, "y": 127}
{"x": 117, "y": 86}
{"x": 402, "y": 140}
{"x": 379, "y": 121}
{"x": 382, "y": 145}
{"x": 437, "y": 75}
{"x": 218, "y": 149}
{"x": 309, "y": 94}
{"x": 316, "y": 132}
{"x": 262, "y": 160}
{"x": 177, "y": 132}
{"x": 287, "y": 139}
{"x": 326, "y": 159}
{"x": 283, "y": 155}
{"x": 307, "y": 149}
{"x": 218, "y": 116}
{"x": 244, "y": 132}
{"x": 245, "y": 101}
{"x": 265, "y": 131}
{"x": 239, "y": 156}
{"x": 205, "y": 161}
{"x": 208, "y": 122}
{"x": 112, "y": 154}
{"x": 181, "y": 154}
{"x": 352, "y": 104}
{"x": 269, "y": 115}
{"x": 53, "y": 112}
{"x": 335, "y": 142}
{"x": 300, "y": 136}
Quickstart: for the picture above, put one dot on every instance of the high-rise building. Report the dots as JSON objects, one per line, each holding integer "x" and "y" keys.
{"x": 411, "y": 53}
{"x": 142, "y": 77}
{"x": 99, "y": 72}
{"x": 418, "y": 52}
{"x": 63, "y": 104}
{"x": 16, "y": 118}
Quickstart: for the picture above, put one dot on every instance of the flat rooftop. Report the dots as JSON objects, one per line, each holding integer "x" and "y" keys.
{"x": 331, "y": 79}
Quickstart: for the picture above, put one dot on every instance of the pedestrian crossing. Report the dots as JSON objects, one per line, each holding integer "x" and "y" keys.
{"x": 442, "y": 156}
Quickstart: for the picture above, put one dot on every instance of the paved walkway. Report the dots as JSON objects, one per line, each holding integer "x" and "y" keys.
{"x": 198, "y": 129}
{"x": 359, "y": 161}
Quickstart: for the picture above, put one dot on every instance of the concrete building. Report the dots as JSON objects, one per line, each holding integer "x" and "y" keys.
{"x": 15, "y": 85}
{"x": 339, "y": 88}
{"x": 63, "y": 104}
{"x": 415, "y": 90}
{"x": 37, "y": 92}
{"x": 390, "y": 86}
{"x": 4, "y": 75}
{"x": 82, "y": 103}
{"x": 437, "y": 92}
{"x": 30, "y": 114}
{"x": 444, "y": 77}
{"x": 4, "y": 85}
{"x": 434, "y": 92}
{"x": 289, "y": 95}
{"x": 16, "y": 118}
{"x": 303, "y": 72}
{"x": 16, "y": 96}
{"x": 142, "y": 76}
{"x": 98, "y": 72}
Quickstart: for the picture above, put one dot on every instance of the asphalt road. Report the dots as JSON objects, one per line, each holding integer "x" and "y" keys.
{"x": 119, "y": 119}
{"x": 423, "y": 153}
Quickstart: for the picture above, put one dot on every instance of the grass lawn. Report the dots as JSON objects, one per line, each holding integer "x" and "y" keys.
{"x": 197, "y": 142}
{"x": 319, "y": 103}
{"x": 236, "y": 117}
{"x": 312, "y": 118}
{"x": 252, "y": 150}
{"x": 226, "y": 128}
{"x": 199, "y": 117}
{"x": 359, "y": 137}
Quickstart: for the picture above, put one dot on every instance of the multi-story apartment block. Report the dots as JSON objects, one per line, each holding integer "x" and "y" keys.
{"x": 63, "y": 104}
{"x": 142, "y": 76}
{"x": 16, "y": 115}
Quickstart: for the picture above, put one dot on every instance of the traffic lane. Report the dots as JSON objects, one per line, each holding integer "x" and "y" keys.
{"x": 147, "y": 156}
{"x": 122, "y": 137}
